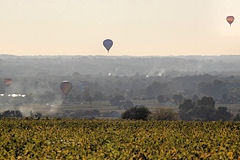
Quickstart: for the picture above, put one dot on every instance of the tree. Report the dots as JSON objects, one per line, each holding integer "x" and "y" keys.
{"x": 205, "y": 109}
{"x": 136, "y": 113}
{"x": 206, "y": 101}
{"x": 222, "y": 114}
{"x": 186, "y": 109}
{"x": 187, "y": 105}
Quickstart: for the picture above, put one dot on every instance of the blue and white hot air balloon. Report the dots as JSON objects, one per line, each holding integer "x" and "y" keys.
{"x": 108, "y": 43}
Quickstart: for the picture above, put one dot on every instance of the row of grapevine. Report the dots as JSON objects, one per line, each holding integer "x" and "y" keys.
{"x": 119, "y": 139}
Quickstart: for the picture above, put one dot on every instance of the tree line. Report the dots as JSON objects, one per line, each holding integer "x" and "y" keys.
{"x": 203, "y": 109}
{"x": 167, "y": 90}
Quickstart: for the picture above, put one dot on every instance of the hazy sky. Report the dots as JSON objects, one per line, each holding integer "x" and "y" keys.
{"x": 137, "y": 27}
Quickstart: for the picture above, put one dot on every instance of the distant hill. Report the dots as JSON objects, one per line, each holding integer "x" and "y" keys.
{"x": 119, "y": 65}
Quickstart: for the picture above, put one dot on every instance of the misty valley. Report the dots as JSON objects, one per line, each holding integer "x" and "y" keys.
{"x": 105, "y": 87}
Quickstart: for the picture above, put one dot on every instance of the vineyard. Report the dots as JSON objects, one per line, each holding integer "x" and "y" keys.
{"x": 118, "y": 139}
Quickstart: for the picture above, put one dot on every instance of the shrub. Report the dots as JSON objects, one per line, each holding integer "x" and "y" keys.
{"x": 36, "y": 115}
{"x": 12, "y": 114}
{"x": 164, "y": 114}
{"x": 136, "y": 113}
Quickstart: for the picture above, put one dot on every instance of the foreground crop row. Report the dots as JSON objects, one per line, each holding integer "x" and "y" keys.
{"x": 102, "y": 139}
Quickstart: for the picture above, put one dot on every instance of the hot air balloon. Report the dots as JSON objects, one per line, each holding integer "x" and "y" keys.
{"x": 230, "y": 20}
{"x": 7, "y": 82}
{"x": 66, "y": 87}
{"x": 108, "y": 44}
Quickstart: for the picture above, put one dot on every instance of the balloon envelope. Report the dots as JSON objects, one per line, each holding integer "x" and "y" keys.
{"x": 66, "y": 87}
{"x": 7, "y": 81}
{"x": 108, "y": 43}
{"x": 230, "y": 19}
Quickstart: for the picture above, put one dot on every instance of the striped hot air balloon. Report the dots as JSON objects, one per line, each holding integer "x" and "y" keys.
{"x": 66, "y": 87}
{"x": 7, "y": 82}
{"x": 230, "y": 20}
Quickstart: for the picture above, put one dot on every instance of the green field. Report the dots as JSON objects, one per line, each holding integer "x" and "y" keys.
{"x": 118, "y": 139}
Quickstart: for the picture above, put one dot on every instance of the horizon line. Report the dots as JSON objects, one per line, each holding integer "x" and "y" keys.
{"x": 75, "y": 55}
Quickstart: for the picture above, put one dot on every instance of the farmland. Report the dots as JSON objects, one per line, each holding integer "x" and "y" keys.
{"x": 118, "y": 139}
